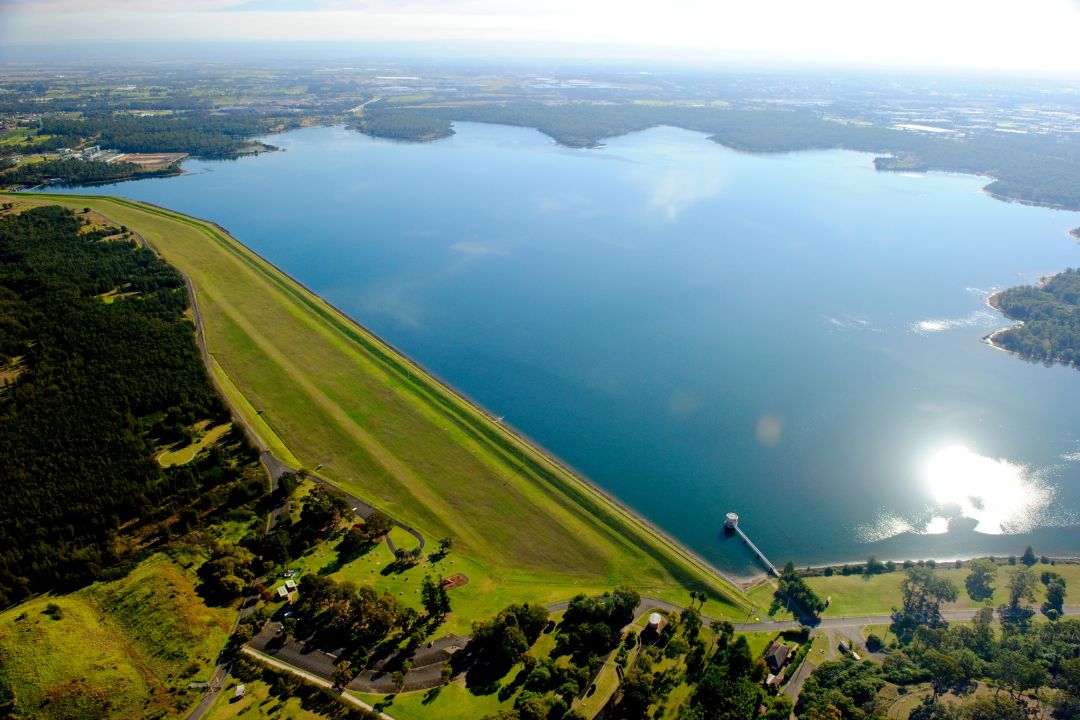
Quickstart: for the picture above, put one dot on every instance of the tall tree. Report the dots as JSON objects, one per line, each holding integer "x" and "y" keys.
{"x": 980, "y": 580}
{"x": 923, "y": 592}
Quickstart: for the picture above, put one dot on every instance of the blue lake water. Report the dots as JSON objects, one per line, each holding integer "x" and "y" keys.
{"x": 793, "y": 337}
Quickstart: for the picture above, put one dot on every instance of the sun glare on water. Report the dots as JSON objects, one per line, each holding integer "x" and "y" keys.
{"x": 999, "y": 495}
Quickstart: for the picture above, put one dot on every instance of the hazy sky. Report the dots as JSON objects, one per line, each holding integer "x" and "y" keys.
{"x": 1013, "y": 35}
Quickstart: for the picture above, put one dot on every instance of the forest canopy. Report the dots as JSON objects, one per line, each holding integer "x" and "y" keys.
{"x": 95, "y": 388}
{"x": 1050, "y": 319}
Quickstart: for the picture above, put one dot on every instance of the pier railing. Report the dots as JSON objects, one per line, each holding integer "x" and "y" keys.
{"x": 761, "y": 556}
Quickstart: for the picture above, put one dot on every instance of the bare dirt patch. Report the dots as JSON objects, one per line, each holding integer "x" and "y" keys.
{"x": 455, "y": 580}
{"x": 150, "y": 161}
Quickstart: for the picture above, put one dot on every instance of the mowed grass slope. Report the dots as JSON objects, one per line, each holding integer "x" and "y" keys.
{"x": 326, "y": 393}
{"x": 126, "y": 648}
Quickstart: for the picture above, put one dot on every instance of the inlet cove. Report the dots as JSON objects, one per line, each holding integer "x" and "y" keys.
{"x": 797, "y": 338}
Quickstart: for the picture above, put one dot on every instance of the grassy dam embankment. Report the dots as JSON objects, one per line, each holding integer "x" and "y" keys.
{"x": 325, "y": 394}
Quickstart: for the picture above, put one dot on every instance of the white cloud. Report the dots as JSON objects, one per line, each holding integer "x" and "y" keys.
{"x": 1033, "y": 35}
{"x": 46, "y": 7}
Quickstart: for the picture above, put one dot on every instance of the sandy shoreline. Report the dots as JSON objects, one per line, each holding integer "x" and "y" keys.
{"x": 991, "y": 302}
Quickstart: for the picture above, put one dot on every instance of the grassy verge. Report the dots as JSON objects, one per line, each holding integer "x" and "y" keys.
{"x": 126, "y": 648}
{"x": 335, "y": 396}
{"x": 855, "y": 595}
{"x": 450, "y": 702}
{"x": 256, "y": 703}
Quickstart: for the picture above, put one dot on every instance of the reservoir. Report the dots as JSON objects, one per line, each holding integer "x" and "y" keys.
{"x": 797, "y": 338}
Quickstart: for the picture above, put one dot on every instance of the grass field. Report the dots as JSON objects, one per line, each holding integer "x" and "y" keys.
{"x": 126, "y": 648}
{"x": 256, "y": 703}
{"x": 759, "y": 642}
{"x": 322, "y": 391}
{"x": 451, "y": 702}
{"x": 179, "y": 456}
{"x": 854, "y": 595}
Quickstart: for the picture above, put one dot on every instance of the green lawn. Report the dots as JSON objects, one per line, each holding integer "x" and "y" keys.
{"x": 256, "y": 703}
{"x": 451, "y": 702}
{"x": 762, "y": 595}
{"x": 759, "y": 642}
{"x": 186, "y": 454}
{"x": 820, "y": 648}
{"x": 405, "y": 541}
{"x": 126, "y": 648}
{"x": 482, "y": 597}
{"x": 855, "y": 595}
{"x": 882, "y": 631}
{"x": 17, "y": 136}
{"x": 878, "y": 594}
{"x": 323, "y": 392}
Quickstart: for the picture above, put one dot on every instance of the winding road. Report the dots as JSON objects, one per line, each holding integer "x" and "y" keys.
{"x": 345, "y": 697}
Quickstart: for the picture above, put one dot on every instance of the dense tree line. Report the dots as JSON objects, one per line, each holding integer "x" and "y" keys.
{"x": 101, "y": 385}
{"x": 78, "y": 171}
{"x": 196, "y": 133}
{"x": 1016, "y": 658}
{"x": 1032, "y": 168}
{"x": 500, "y": 642}
{"x": 591, "y": 626}
{"x": 793, "y": 593}
{"x": 1050, "y": 314}
{"x": 726, "y": 679}
{"x": 847, "y": 687}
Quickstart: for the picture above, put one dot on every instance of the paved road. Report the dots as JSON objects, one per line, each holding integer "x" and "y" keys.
{"x": 795, "y": 683}
{"x": 310, "y": 659}
{"x": 363, "y": 509}
{"x": 426, "y": 672}
{"x": 217, "y": 681}
{"x": 427, "y": 664}
{"x": 344, "y": 697}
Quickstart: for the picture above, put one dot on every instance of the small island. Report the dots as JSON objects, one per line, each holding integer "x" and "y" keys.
{"x": 1049, "y": 315}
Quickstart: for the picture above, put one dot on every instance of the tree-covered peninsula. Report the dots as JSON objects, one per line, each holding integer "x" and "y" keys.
{"x": 1049, "y": 314}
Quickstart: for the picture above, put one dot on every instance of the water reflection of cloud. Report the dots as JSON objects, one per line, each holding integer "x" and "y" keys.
{"x": 395, "y": 301}
{"x": 683, "y": 404}
{"x": 477, "y": 249}
{"x": 354, "y": 190}
{"x": 850, "y": 322}
{"x": 675, "y": 190}
{"x": 768, "y": 430}
{"x": 576, "y": 206}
